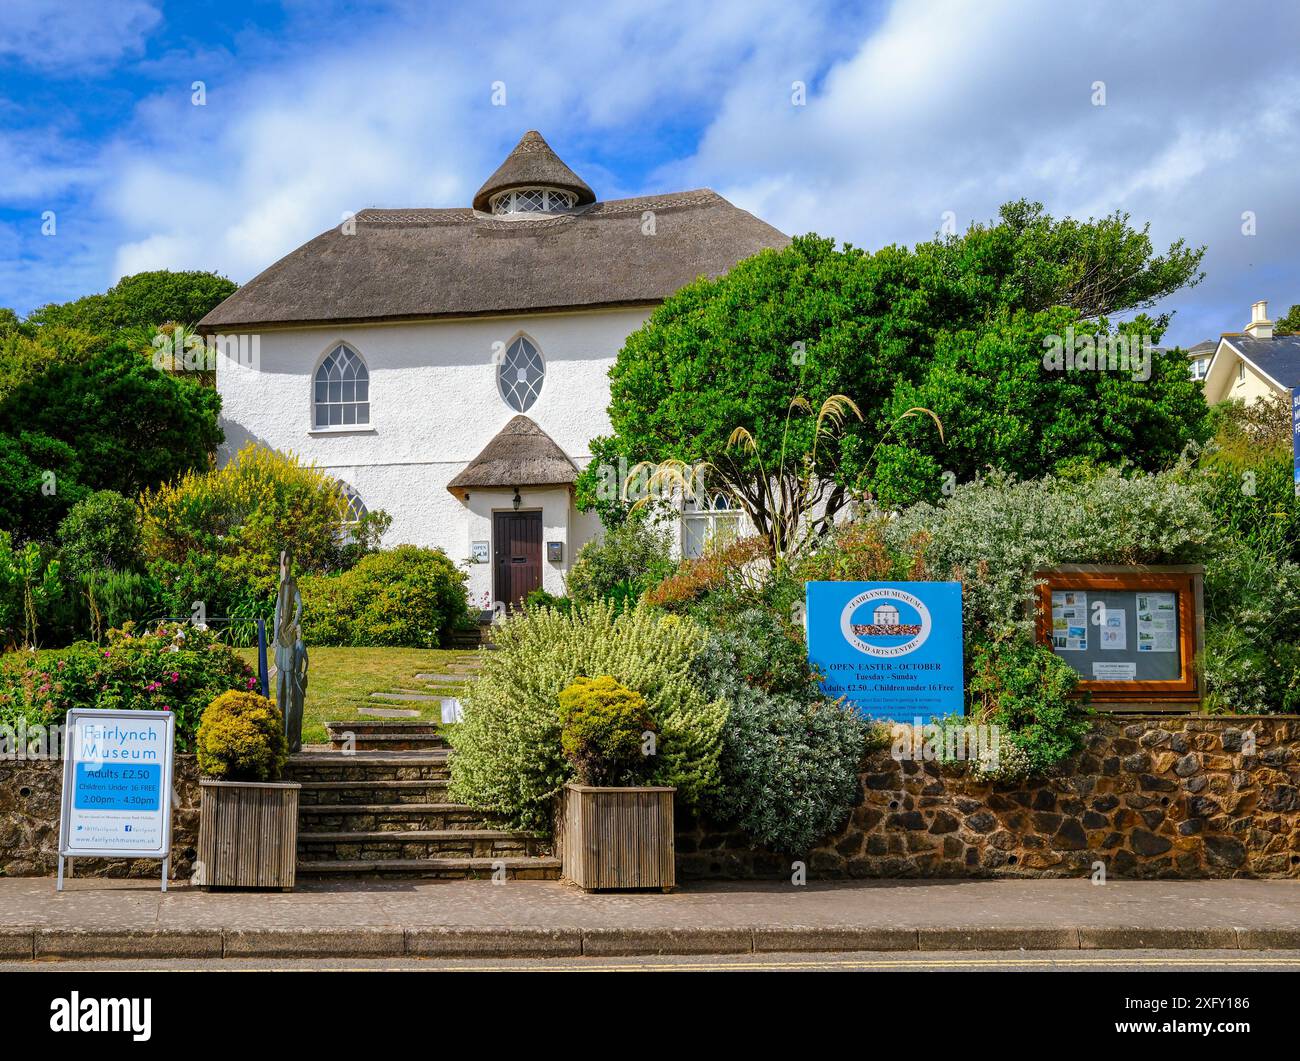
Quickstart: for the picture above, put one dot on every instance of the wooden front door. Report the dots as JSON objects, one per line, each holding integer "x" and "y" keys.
{"x": 516, "y": 555}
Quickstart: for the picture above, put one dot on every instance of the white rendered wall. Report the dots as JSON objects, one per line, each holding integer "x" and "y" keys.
{"x": 434, "y": 405}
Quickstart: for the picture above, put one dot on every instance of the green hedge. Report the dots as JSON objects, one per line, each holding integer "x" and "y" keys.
{"x": 399, "y": 598}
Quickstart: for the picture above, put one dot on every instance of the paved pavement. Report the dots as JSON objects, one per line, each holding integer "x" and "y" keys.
{"x": 107, "y": 919}
{"x": 850, "y": 961}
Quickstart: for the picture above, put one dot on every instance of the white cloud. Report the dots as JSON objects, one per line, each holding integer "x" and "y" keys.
{"x": 918, "y": 108}
{"x": 957, "y": 106}
{"x": 67, "y": 36}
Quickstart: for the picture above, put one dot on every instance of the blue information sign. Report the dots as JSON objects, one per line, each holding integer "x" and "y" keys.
{"x": 891, "y": 649}
{"x": 1295, "y": 434}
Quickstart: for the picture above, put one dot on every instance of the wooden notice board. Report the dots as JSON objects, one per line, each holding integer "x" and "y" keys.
{"x": 1133, "y": 634}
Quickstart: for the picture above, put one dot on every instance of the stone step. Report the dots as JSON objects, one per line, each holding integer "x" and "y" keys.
{"x": 398, "y": 845}
{"x": 368, "y": 766}
{"x": 371, "y": 793}
{"x": 388, "y": 817}
{"x": 419, "y": 726}
{"x": 385, "y": 735}
{"x": 435, "y": 868}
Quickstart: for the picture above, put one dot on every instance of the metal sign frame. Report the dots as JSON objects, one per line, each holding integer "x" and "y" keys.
{"x": 71, "y": 756}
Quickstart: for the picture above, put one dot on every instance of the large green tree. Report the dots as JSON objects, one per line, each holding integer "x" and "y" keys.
{"x": 958, "y": 322}
{"x": 112, "y": 422}
{"x": 144, "y": 300}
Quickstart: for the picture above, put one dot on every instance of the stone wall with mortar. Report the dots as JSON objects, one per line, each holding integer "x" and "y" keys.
{"x": 30, "y": 792}
{"x": 1150, "y": 796}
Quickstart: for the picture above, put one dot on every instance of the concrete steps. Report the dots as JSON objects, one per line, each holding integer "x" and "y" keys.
{"x": 385, "y": 814}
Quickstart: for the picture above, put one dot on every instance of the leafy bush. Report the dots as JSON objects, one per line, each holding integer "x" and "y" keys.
{"x": 174, "y": 667}
{"x": 100, "y": 532}
{"x": 508, "y": 752}
{"x": 405, "y": 597}
{"x": 241, "y": 738}
{"x": 93, "y": 604}
{"x": 632, "y": 557}
{"x": 789, "y": 762}
{"x": 1252, "y": 636}
{"x": 131, "y": 426}
{"x": 603, "y": 727}
{"x": 994, "y": 533}
{"x": 216, "y": 536}
{"x": 539, "y": 598}
{"x": 30, "y": 588}
{"x": 1024, "y": 689}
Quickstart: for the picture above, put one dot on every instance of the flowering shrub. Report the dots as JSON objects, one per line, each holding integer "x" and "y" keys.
{"x": 172, "y": 667}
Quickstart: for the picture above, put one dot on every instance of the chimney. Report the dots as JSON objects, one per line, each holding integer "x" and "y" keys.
{"x": 1260, "y": 327}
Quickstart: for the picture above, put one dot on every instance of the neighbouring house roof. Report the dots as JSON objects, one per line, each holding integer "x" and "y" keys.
{"x": 427, "y": 263}
{"x": 1278, "y": 357}
{"x": 1204, "y": 348}
{"x": 521, "y": 454}
{"x": 533, "y": 163}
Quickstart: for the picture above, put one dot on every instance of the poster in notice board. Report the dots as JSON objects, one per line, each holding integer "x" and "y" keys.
{"x": 1118, "y": 634}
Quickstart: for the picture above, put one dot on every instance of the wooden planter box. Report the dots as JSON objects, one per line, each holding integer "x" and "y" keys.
{"x": 248, "y": 834}
{"x": 617, "y": 837}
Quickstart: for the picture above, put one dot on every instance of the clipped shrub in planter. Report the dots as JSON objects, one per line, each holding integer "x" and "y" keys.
{"x": 241, "y": 738}
{"x": 614, "y": 833}
{"x": 603, "y": 731}
{"x": 248, "y": 827}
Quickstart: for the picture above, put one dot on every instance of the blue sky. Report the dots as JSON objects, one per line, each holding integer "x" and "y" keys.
{"x": 916, "y": 110}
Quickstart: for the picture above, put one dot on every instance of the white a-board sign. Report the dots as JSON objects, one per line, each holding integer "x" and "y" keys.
{"x": 117, "y": 786}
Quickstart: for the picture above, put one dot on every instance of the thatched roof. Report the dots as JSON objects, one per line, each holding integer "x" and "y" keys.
{"x": 420, "y": 264}
{"x": 532, "y": 162}
{"x": 521, "y": 454}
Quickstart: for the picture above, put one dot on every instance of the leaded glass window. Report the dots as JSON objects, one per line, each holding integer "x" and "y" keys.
{"x": 341, "y": 390}
{"x": 520, "y": 375}
{"x": 533, "y": 201}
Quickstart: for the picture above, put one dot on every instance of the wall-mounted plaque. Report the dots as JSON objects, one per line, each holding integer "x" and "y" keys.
{"x": 1133, "y": 634}
{"x": 478, "y": 552}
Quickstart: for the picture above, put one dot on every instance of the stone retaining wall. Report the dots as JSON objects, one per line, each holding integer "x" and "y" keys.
{"x": 1150, "y": 796}
{"x": 30, "y": 791}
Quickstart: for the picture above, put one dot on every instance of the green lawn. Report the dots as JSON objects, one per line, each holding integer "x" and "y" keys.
{"x": 340, "y": 681}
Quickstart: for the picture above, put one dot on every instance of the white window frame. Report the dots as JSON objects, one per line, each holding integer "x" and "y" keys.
{"x": 316, "y": 428}
{"x": 1200, "y": 368}
{"x": 719, "y": 510}
{"x": 554, "y": 201}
